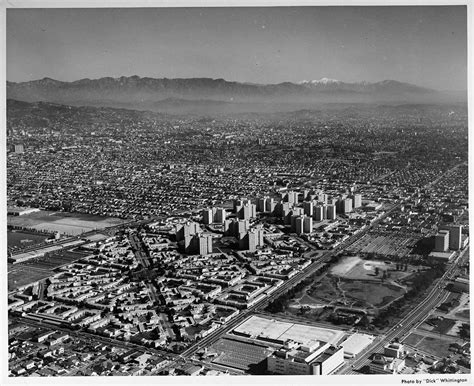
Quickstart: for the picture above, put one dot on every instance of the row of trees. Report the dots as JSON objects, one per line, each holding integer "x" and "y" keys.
{"x": 421, "y": 281}
{"x": 465, "y": 331}
{"x": 280, "y": 303}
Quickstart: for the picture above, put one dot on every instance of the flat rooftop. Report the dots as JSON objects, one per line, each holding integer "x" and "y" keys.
{"x": 257, "y": 326}
{"x": 442, "y": 255}
{"x": 356, "y": 343}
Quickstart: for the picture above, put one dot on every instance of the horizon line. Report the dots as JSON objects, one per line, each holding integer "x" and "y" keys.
{"x": 226, "y": 80}
{"x": 236, "y": 81}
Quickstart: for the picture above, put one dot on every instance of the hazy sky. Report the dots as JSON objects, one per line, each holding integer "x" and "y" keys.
{"x": 422, "y": 45}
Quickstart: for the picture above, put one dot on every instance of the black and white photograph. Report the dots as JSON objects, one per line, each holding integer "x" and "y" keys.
{"x": 271, "y": 192}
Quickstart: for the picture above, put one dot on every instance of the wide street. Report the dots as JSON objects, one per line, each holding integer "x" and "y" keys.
{"x": 436, "y": 295}
{"x": 399, "y": 331}
{"x": 300, "y": 276}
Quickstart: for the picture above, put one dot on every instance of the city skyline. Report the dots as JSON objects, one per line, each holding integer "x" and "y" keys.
{"x": 424, "y": 45}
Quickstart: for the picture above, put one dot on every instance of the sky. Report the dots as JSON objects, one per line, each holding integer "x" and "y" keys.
{"x": 424, "y": 45}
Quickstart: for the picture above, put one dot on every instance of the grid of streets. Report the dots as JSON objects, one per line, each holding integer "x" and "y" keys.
{"x": 288, "y": 222}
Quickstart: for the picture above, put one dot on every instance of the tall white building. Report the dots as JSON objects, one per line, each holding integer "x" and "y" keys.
{"x": 322, "y": 197}
{"x": 269, "y": 205}
{"x": 455, "y": 237}
{"x": 331, "y": 212}
{"x": 442, "y": 241}
{"x": 251, "y": 240}
{"x": 207, "y": 216}
{"x": 345, "y": 205}
{"x": 242, "y": 226}
{"x": 308, "y": 208}
{"x": 205, "y": 244}
{"x": 299, "y": 224}
{"x": 261, "y": 204}
{"x": 247, "y": 211}
{"x": 298, "y": 211}
{"x": 308, "y": 225}
{"x": 220, "y": 216}
{"x": 319, "y": 213}
{"x": 290, "y": 197}
{"x": 305, "y": 194}
{"x": 357, "y": 200}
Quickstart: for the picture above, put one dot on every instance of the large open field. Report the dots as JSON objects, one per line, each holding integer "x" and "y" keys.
{"x": 431, "y": 345}
{"x": 37, "y": 269}
{"x": 20, "y": 275}
{"x": 372, "y": 294}
{"x": 24, "y": 239}
{"x": 355, "y": 268}
{"x": 413, "y": 339}
{"x": 360, "y": 285}
{"x": 342, "y": 291}
{"x": 355, "y": 282}
{"x": 323, "y": 292}
{"x": 66, "y": 223}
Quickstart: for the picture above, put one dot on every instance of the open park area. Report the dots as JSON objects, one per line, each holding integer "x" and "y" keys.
{"x": 71, "y": 224}
{"x": 39, "y": 268}
{"x": 356, "y": 268}
{"x": 355, "y": 282}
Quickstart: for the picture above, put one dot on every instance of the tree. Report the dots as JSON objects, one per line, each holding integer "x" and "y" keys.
{"x": 303, "y": 310}
{"x": 464, "y": 332}
{"x": 276, "y": 306}
{"x": 364, "y": 322}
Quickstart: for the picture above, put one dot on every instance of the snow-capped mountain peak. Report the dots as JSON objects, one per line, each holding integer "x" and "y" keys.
{"x": 321, "y": 81}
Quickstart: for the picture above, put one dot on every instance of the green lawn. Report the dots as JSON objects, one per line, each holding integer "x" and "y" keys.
{"x": 371, "y": 293}
{"x": 413, "y": 339}
{"x": 435, "y": 346}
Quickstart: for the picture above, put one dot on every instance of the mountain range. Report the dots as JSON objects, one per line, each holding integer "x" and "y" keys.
{"x": 196, "y": 94}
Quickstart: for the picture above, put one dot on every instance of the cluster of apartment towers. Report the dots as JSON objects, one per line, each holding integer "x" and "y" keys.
{"x": 448, "y": 237}
{"x": 316, "y": 205}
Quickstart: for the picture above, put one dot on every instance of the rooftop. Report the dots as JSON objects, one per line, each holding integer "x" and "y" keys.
{"x": 282, "y": 331}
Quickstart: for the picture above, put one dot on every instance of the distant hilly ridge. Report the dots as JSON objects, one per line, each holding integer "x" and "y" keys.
{"x": 202, "y": 94}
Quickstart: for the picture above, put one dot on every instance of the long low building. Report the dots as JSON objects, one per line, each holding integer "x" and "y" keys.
{"x": 33, "y": 254}
{"x": 355, "y": 344}
{"x": 280, "y": 331}
{"x": 18, "y": 211}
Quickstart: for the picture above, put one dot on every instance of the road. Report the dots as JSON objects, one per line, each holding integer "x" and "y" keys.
{"x": 300, "y": 276}
{"x": 81, "y": 334}
{"x": 436, "y": 295}
{"x": 139, "y": 250}
{"x": 214, "y": 336}
{"x": 422, "y": 309}
{"x": 109, "y": 230}
{"x": 62, "y": 241}
{"x": 399, "y": 331}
